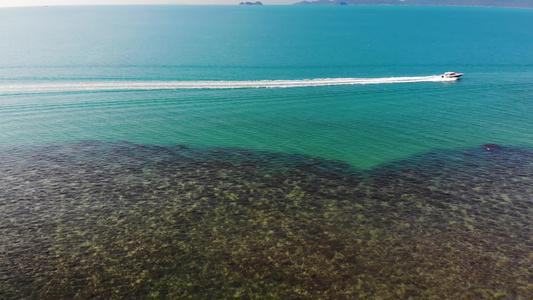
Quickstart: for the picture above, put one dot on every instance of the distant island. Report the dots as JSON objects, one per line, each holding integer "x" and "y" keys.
{"x": 251, "y": 3}
{"x": 487, "y": 3}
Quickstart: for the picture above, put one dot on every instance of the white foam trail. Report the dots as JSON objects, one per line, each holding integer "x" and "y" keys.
{"x": 91, "y": 86}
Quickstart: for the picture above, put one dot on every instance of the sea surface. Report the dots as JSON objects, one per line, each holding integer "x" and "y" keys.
{"x": 273, "y": 152}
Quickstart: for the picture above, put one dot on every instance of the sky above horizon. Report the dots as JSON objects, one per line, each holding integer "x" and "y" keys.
{"x": 15, "y": 3}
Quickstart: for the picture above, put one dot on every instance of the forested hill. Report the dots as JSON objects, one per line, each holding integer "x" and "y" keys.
{"x": 489, "y": 3}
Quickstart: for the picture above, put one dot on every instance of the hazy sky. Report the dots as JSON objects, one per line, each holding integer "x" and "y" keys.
{"x": 8, "y": 3}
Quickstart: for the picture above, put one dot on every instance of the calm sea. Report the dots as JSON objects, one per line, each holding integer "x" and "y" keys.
{"x": 266, "y": 152}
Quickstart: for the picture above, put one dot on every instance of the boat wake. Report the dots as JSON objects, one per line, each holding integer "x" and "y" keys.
{"x": 90, "y": 86}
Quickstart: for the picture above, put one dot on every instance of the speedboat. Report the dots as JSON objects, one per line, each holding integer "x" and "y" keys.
{"x": 451, "y": 75}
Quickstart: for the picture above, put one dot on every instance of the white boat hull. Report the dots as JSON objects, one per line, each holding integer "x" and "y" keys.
{"x": 451, "y": 75}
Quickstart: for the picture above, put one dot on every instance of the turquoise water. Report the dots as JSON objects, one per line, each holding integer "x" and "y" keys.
{"x": 363, "y": 125}
{"x": 158, "y": 151}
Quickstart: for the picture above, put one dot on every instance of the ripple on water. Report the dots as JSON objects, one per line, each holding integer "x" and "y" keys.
{"x": 96, "y": 219}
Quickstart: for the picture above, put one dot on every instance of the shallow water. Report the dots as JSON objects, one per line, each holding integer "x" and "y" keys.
{"x": 105, "y": 220}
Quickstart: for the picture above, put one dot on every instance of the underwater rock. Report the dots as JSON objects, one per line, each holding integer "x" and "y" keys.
{"x": 491, "y": 147}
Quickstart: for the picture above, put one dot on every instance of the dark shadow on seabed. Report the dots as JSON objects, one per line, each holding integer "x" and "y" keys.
{"x": 118, "y": 220}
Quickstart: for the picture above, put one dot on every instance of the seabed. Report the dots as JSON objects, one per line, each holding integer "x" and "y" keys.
{"x": 120, "y": 220}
